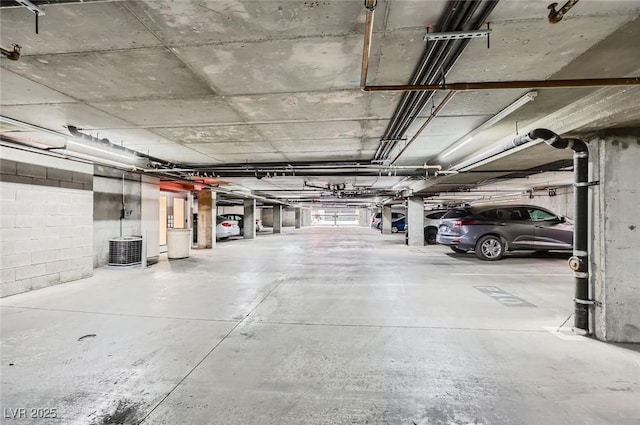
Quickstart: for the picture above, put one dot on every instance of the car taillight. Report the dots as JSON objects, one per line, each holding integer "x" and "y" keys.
{"x": 463, "y": 222}
{"x": 226, "y": 224}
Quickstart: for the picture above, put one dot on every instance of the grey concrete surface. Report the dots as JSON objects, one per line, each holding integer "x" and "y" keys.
{"x": 314, "y": 326}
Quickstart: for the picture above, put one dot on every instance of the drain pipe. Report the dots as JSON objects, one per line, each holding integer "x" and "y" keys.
{"x": 579, "y": 262}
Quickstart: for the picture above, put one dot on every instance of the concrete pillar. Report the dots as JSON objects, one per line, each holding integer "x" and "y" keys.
{"x": 206, "y": 218}
{"x": 363, "y": 217}
{"x": 615, "y": 237}
{"x": 298, "y": 218}
{"x": 415, "y": 221}
{"x": 386, "y": 219}
{"x": 266, "y": 215}
{"x": 306, "y": 217}
{"x": 249, "y": 221}
{"x": 190, "y": 214}
{"x": 277, "y": 219}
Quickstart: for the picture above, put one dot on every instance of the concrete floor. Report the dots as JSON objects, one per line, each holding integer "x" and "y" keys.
{"x": 314, "y": 326}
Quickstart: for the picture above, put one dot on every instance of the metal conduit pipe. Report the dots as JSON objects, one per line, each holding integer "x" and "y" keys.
{"x": 452, "y": 56}
{"x": 430, "y": 68}
{"x": 428, "y": 121}
{"x": 439, "y": 59}
{"x": 524, "y": 84}
{"x": 420, "y": 70}
{"x": 447, "y": 53}
{"x": 579, "y": 262}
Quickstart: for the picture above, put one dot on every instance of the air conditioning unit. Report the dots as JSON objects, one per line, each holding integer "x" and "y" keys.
{"x": 125, "y": 251}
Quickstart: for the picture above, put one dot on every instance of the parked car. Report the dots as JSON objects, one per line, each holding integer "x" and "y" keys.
{"x": 431, "y": 224}
{"x": 225, "y": 228}
{"x": 492, "y": 230}
{"x": 376, "y": 219}
{"x": 399, "y": 225}
{"x": 240, "y": 219}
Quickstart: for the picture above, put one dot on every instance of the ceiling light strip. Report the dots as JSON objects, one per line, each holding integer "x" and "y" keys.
{"x": 464, "y": 140}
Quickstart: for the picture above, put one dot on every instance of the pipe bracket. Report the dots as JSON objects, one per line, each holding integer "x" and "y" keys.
{"x": 587, "y": 302}
{"x": 587, "y": 184}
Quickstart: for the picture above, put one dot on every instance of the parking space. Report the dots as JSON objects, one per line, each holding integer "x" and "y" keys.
{"x": 315, "y": 325}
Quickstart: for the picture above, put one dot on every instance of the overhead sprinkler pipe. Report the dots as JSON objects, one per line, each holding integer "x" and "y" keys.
{"x": 370, "y": 5}
{"x": 503, "y": 85}
{"x": 579, "y": 262}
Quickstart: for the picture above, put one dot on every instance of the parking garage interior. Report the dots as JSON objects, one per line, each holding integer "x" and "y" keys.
{"x": 128, "y": 127}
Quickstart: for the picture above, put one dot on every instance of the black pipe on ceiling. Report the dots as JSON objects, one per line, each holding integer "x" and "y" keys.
{"x": 437, "y": 61}
{"x": 436, "y": 66}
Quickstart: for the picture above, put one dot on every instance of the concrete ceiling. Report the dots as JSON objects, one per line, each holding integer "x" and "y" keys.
{"x": 205, "y": 84}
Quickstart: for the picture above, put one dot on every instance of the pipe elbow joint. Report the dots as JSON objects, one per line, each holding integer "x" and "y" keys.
{"x": 554, "y": 140}
{"x": 542, "y": 133}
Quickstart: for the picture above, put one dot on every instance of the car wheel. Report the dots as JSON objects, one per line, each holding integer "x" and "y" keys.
{"x": 430, "y": 236}
{"x": 458, "y": 250}
{"x": 490, "y": 248}
{"x": 379, "y": 226}
{"x": 394, "y": 229}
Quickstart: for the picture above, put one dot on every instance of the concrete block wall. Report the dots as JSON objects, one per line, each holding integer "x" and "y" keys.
{"x": 107, "y": 206}
{"x": 236, "y": 209}
{"x": 46, "y": 210}
{"x": 288, "y": 217}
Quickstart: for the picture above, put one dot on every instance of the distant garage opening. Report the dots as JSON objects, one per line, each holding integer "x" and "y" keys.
{"x": 335, "y": 217}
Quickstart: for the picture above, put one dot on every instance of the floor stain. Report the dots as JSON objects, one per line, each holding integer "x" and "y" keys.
{"x": 126, "y": 413}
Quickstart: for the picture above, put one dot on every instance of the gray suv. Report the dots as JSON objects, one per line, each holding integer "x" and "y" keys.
{"x": 491, "y": 230}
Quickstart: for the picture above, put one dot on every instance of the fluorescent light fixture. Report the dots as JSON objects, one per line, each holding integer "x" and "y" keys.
{"x": 528, "y": 97}
{"x": 106, "y": 151}
{"x": 457, "y": 147}
{"x": 32, "y": 7}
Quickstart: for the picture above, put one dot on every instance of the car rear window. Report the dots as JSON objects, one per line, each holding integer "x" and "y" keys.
{"x": 490, "y": 214}
{"x": 456, "y": 213}
{"x": 436, "y": 215}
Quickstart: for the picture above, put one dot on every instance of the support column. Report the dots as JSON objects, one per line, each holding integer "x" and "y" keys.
{"x": 615, "y": 237}
{"x": 206, "y": 219}
{"x": 249, "y": 221}
{"x": 306, "y": 217}
{"x": 363, "y": 217}
{"x": 190, "y": 210}
{"x": 386, "y": 219}
{"x": 415, "y": 221}
{"x": 298, "y": 218}
{"x": 277, "y": 219}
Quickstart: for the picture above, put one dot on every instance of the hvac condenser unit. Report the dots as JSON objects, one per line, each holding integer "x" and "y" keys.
{"x": 125, "y": 251}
